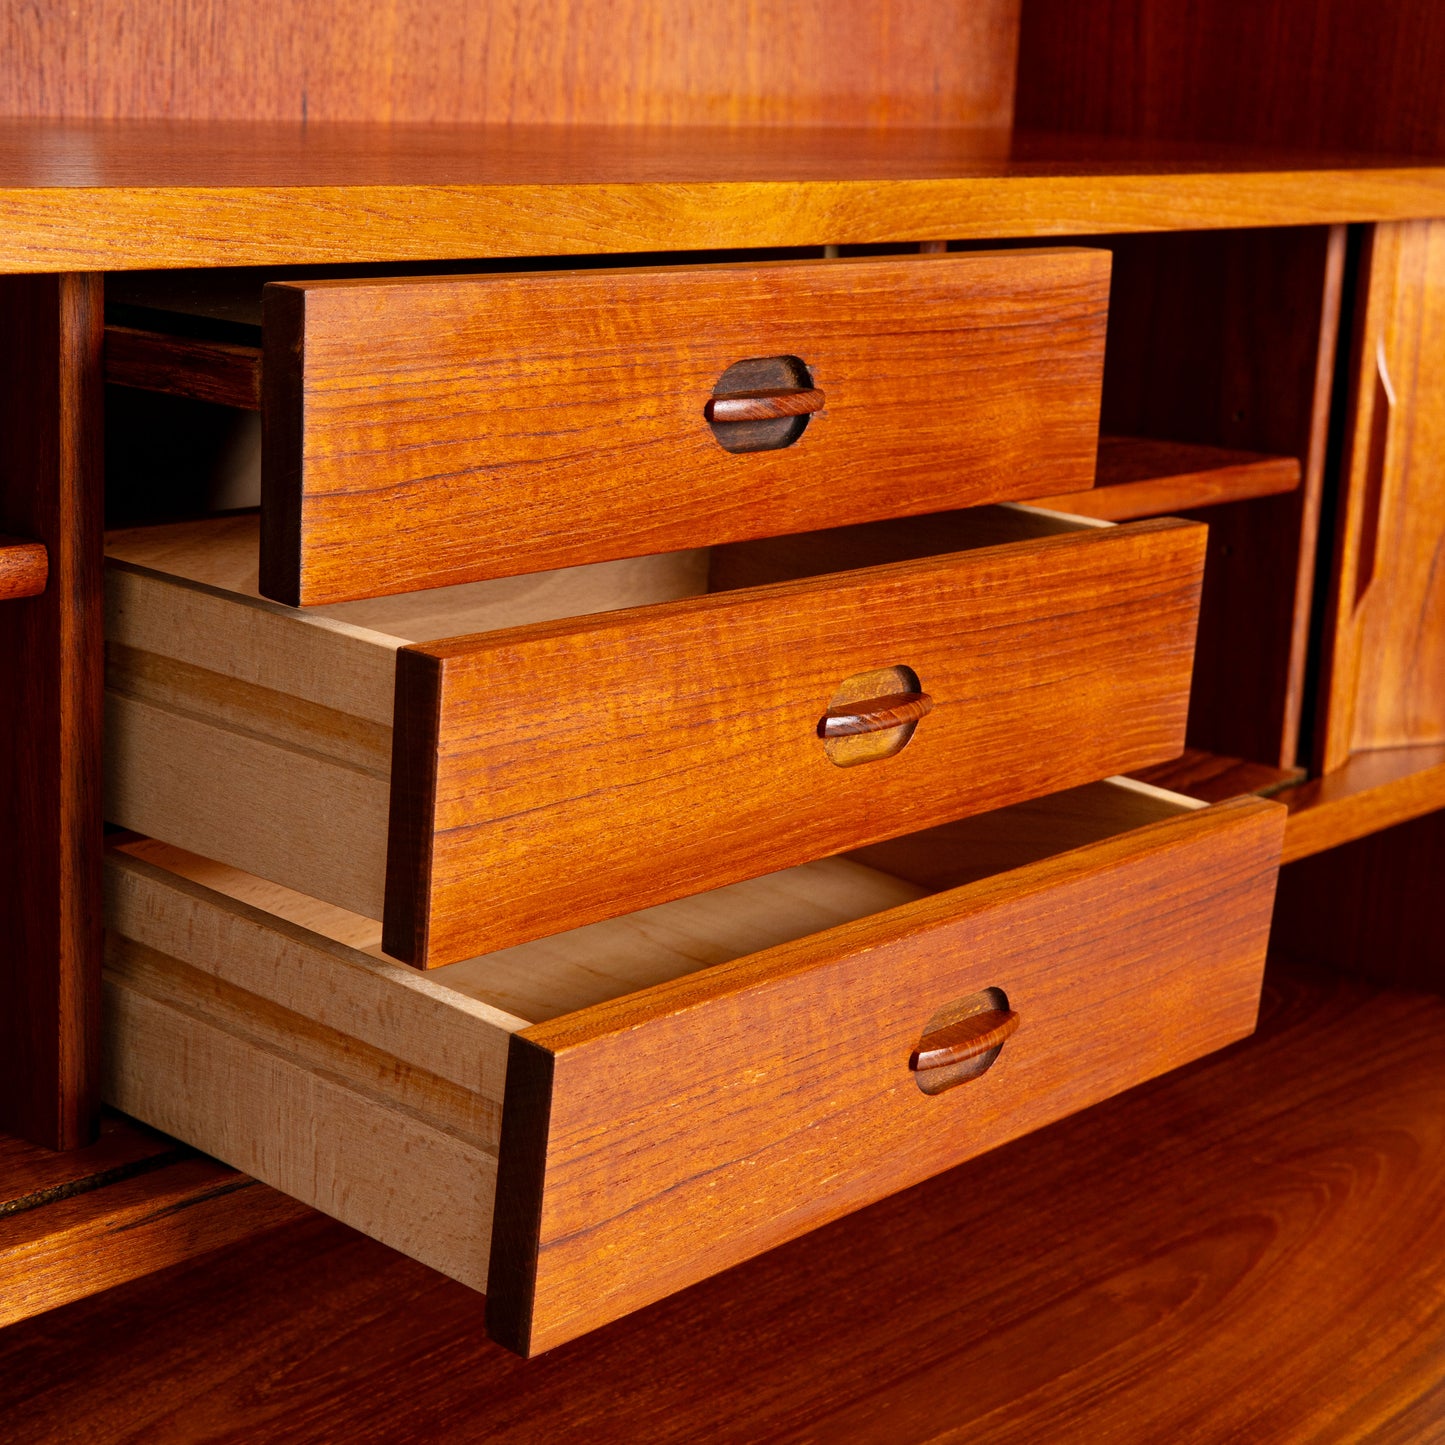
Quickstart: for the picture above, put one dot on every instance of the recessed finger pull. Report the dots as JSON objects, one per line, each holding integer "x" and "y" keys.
{"x": 875, "y": 714}
{"x": 770, "y": 404}
{"x": 962, "y": 1041}
{"x": 967, "y": 1039}
{"x": 762, "y": 404}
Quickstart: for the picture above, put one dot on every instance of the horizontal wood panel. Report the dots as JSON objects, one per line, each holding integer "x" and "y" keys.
{"x": 1141, "y": 477}
{"x": 662, "y": 1163}
{"x": 428, "y": 431}
{"x": 134, "y": 195}
{"x": 516, "y": 61}
{"x": 690, "y": 757}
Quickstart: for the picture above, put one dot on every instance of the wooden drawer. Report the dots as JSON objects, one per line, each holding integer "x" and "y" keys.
{"x": 585, "y": 1124}
{"x": 427, "y": 431}
{"x": 546, "y": 775}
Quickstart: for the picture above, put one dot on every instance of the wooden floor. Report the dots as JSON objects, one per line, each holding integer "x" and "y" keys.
{"x": 1250, "y": 1250}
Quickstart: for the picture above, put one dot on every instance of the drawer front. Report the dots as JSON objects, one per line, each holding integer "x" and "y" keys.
{"x": 548, "y": 776}
{"x": 427, "y": 431}
{"x": 652, "y": 1142}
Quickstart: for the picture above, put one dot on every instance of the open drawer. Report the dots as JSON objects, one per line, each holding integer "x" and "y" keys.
{"x": 423, "y": 431}
{"x": 546, "y": 770}
{"x": 585, "y": 1124}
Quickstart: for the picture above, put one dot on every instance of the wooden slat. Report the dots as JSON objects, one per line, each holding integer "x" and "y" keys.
{"x": 951, "y": 380}
{"x": 24, "y": 568}
{"x": 1211, "y": 778}
{"x": 1372, "y": 791}
{"x": 1140, "y": 477}
{"x": 663, "y": 1162}
{"x": 1051, "y": 662}
{"x": 134, "y": 195}
{"x": 79, "y": 1245}
{"x": 215, "y": 371}
{"x": 50, "y": 723}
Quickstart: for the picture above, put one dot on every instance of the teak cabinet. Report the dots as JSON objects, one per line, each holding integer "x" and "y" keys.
{"x": 669, "y": 652}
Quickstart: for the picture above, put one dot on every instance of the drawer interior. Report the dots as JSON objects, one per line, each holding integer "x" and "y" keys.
{"x": 223, "y": 706}
{"x": 549, "y": 977}
{"x": 265, "y": 1027}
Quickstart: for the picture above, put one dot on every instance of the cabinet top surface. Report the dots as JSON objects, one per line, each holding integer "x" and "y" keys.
{"x": 125, "y": 194}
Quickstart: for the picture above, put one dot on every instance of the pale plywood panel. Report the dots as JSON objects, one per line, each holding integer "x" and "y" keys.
{"x": 386, "y": 1172}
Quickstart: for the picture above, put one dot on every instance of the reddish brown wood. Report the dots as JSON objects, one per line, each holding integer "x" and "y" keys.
{"x": 50, "y": 725}
{"x": 875, "y": 715}
{"x": 1136, "y": 1253}
{"x": 1371, "y": 906}
{"x": 1229, "y": 341}
{"x": 24, "y": 568}
{"x": 497, "y": 412}
{"x": 1332, "y": 74}
{"x": 763, "y": 405}
{"x": 964, "y": 1040}
{"x": 1384, "y": 638}
{"x": 184, "y": 366}
{"x": 1212, "y": 778}
{"x": 133, "y": 1202}
{"x": 1052, "y": 662}
{"x": 1141, "y": 477}
{"x": 1373, "y": 790}
{"x": 126, "y": 195}
{"x": 909, "y": 62}
{"x": 664, "y": 1162}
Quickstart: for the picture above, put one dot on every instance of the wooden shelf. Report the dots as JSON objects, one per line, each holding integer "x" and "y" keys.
{"x": 1142, "y": 477}
{"x": 131, "y": 1203}
{"x": 1212, "y": 778}
{"x": 119, "y": 195}
{"x": 1373, "y": 790}
{"x": 1251, "y": 1248}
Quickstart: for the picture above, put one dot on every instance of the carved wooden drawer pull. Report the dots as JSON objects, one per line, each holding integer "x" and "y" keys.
{"x": 875, "y": 715}
{"x": 967, "y": 1039}
{"x": 766, "y": 405}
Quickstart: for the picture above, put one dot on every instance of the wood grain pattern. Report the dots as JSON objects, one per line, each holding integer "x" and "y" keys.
{"x": 50, "y": 724}
{"x": 519, "y": 61}
{"x": 1373, "y": 790}
{"x": 120, "y": 1223}
{"x": 133, "y": 195}
{"x": 1331, "y": 74}
{"x": 1385, "y": 633}
{"x": 806, "y": 1074}
{"x": 1212, "y": 779}
{"x": 1141, "y": 477}
{"x": 184, "y": 366}
{"x": 24, "y": 568}
{"x": 1089, "y": 631}
{"x": 1226, "y": 1284}
{"x": 500, "y": 414}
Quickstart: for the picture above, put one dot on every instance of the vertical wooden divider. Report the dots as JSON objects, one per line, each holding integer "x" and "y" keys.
{"x": 51, "y": 680}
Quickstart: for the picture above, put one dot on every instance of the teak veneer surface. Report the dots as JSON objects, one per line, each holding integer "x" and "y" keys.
{"x": 132, "y": 1202}
{"x": 1385, "y": 633}
{"x": 1199, "y": 1261}
{"x": 262, "y": 735}
{"x": 129, "y": 194}
{"x": 427, "y": 431}
{"x": 771, "y": 1016}
{"x": 50, "y": 709}
{"x": 517, "y": 61}
{"x": 1142, "y": 477}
